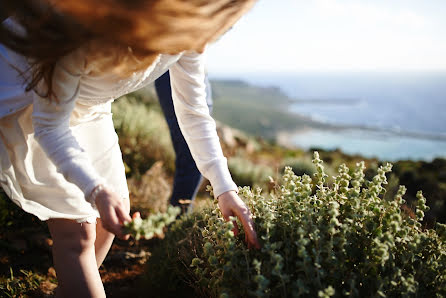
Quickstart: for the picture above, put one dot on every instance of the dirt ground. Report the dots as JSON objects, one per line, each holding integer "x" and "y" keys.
{"x": 121, "y": 271}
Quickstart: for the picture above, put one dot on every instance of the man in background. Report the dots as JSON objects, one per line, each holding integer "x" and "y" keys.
{"x": 187, "y": 178}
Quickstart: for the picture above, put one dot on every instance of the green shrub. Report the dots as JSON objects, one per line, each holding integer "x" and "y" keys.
{"x": 431, "y": 178}
{"x": 245, "y": 172}
{"x": 300, "y": 166}
{"x": 143, "y": 135}
{"x": 153, "y": 225}
{"x": 168, "y": 270}
{"x": 342, "y": 240}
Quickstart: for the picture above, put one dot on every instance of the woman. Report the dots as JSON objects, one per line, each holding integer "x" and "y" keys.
{"x": 62, "y": 64}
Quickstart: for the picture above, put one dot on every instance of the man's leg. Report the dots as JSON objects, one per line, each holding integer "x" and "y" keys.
{"x": 187, "y": 177}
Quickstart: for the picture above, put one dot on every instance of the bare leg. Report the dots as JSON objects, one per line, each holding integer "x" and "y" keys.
{"x": 74, "y": 259}
{"x": 104, "y": 239}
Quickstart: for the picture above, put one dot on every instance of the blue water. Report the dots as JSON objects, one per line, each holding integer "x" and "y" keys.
{"x": 391, "y": 115}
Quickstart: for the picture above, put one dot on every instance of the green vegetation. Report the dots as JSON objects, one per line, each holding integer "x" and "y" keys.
{"x": 153, "y": 225}
{"x": 317, "y": 241}
{"x": 22, "y": 238}
{"x": 19, "y": 286}
{"x": 245, "y": 172}
{"x": 429, "y": 176}
{"x": 300, "y": 166}
{"x": 143, "y": 133}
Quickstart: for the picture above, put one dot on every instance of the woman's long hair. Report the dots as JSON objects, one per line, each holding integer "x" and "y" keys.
{"x": 123, "y": 35}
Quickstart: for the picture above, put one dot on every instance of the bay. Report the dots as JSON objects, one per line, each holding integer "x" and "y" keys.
{"x": 391, "y": 115}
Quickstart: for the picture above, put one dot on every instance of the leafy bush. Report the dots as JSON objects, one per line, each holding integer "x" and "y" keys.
{"x": 300, "y": 166}
{"x": 143, "y": 135}
{"x": 153, "y": 225}
{"x": 168, "y": 270}
{"x": 245, "y": 172}
{"x": 431, "y": 178}
{"x": 317, "y": 241}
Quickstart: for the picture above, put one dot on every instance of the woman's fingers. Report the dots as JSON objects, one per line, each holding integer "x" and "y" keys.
{"x": 248, "y": 226}
{"x": 114, "y": 223}
{"x": 235, "y": 229}
{"x": 113, "y": 211}
{"x": 123, "y": 216}
{"x": 231, "y": 204}
{"x": 109, "y": 220}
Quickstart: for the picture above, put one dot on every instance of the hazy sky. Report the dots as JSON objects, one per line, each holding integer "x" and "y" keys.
{"x": 327, "y": 35}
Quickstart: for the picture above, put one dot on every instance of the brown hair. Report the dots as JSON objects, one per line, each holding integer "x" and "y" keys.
{"x": 125, "y": 35}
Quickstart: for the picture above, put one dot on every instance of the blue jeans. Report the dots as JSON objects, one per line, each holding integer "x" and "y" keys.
{"x": 187, "y": 177}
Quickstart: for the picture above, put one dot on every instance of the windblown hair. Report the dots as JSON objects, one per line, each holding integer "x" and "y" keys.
{"x": 119, "y": 35}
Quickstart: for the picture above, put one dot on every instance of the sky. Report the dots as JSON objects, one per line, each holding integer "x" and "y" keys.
{"x": 334, "y": 35}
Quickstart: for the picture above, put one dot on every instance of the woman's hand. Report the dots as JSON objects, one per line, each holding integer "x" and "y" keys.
{"x": 113, "y": 211}
{"x": 231, "y": 205}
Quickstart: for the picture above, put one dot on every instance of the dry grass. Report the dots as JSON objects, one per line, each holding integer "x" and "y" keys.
{"x": 152, "y": 191}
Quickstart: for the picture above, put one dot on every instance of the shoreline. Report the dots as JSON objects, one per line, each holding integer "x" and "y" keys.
{"x": 311, "y": 123}
{"x": 387, "y": 131}
{"x": 369, "y": 143}
{"x": 291, "y": 100}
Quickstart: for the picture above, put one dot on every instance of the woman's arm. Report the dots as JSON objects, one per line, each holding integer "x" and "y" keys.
{"x": 51, "y": 120}
{"x": 198, "y": 128}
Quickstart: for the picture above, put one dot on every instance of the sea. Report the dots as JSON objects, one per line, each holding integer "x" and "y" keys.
{"x": 388, "y": 115}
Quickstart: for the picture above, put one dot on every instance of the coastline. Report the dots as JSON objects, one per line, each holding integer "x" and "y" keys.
{"x": 368, "y": 143}
{"x": 267, "y": 112}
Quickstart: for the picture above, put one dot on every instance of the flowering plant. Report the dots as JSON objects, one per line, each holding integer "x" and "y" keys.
{"x": 317, "y": 241}
{"x": 153, "y": 225}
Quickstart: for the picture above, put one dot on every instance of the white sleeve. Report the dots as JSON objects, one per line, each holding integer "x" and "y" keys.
{"x": 187, "y": 77}
{"x": 51, "y": 129}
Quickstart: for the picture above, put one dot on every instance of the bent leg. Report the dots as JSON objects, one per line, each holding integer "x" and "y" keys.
{"x": 74, "y": 259}
{"x": 104, "y": 239}
{"x": 187, "y": 177}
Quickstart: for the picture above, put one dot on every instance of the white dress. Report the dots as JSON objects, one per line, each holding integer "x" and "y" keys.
{"x": 54, "y": 154}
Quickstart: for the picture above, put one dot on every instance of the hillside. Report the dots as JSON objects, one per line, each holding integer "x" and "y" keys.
{"x": 148, "y": 156}
{"x": 256, "y": 110}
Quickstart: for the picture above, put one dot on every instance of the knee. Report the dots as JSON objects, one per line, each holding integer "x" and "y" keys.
{"x": 85, "y": 239}
{"x": 79, "y": 240}
{"x": 74, "y": 237}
